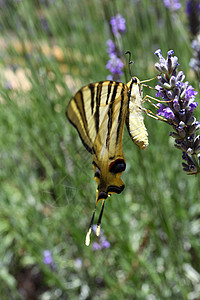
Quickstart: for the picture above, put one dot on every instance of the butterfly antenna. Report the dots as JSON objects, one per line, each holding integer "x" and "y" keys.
{"x": 87, "y": 239}
{"x": 99, "y": 220}
{"x": 130, "y": 62}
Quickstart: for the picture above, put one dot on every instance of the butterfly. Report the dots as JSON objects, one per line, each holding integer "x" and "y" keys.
{"x": 99, "y": 112}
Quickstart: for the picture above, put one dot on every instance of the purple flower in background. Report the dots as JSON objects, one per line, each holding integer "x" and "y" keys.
{"x": 103, "y": 243}
{"x": 115, "y": 65}
{"x": 118, "y": 24}
{"x": 111, "y": 46}
{"x": 172, "y": 5}
{"x": 178, "y": 110}
{"x": 47, "y": 257}
{"x": 96, "y": 246}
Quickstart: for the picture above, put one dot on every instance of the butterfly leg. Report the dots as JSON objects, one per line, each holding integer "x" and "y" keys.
{"x": 147, "y": 98}
{"x": 149, "y": 112}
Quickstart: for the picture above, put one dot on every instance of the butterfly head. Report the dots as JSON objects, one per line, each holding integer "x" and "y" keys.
{"x": 134, "y": 81}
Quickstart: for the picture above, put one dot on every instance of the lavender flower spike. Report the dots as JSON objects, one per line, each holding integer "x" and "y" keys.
{"x": 178, "y": 110}
{"x": 118, "y": 24}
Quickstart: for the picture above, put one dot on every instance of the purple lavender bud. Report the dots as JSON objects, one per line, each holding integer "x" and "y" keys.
{"x": 191, "y": 141}
{"x": 181, "y": 145}
{"x": 191, "y": 163}
{"x": 166, "y": 112}
{"x": 181, "y": 131}
{"x": 177, "y": 90}
{"x": 105, "y": 244}
{"x": 190, "y": 118}
{"x": 182, "y": 116}
{"x": 157, "y": 66}
{"x": 193, "y": 106}
{"x": 176, "y": 105}
{"x": 170, "y": 95}
{"x": 175, "y": 135}
{"x": 197, "y": 149}
{"x": 190, "y": 151}
{"x": 161, "y": 79}
{"x": 193, "y": 168}
{"x": 180, "y": 76}
{"x": 172, "y": 5}
{"x": 47, "y": 259}
{"x": 159, "y": 94}
{"x": 174, "y": 62}
{"x": 178, "y": 147}
{"x": 158, "y": 53}
{"x": 163, "y": 68}
{"x": 96, "y": 246}
{"x": 190, "y": 93}
{"x": 167, "y": 86}
{"x": 170, "y": 53}
{"x": 115, "y": 65}
{"x": 185, "y": 168}
{"x": 182, "y": 95}
{"x": 197, "y": 141}
{"x": 169, "y": 60}
{"x": 109, "y": 77}
{"x": 172, "y": 81}
{"x": 111, "y": 47}
{"x": 118, "y": 24}
{"x": 158, "y": 87}
{"x": 186, "y": 157}
{"x": 193, "y": 128}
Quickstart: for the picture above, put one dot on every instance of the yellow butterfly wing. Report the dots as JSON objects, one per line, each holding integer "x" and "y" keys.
{"x": 108, "y": 158}
{"x": 98, "y": 111}
{"x": 135, "y": 120}
{"x": 88, "y": 108}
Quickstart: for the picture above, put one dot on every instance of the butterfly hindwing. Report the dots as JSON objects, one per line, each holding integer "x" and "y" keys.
{"x": 108, "y": 158}
{"x": 135, "y": 119}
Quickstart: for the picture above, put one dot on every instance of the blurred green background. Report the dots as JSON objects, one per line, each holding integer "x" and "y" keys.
{"x": 48, "y": 50}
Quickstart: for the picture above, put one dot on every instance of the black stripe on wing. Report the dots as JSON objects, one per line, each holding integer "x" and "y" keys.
{"x": 98, "y": 103}
{"x": 110, "y": 113}
{"x": 120, "y": 116}
{"x": 78, "y": 101}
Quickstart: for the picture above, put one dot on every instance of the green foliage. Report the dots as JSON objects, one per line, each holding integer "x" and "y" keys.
{"x": 49, "y": 49}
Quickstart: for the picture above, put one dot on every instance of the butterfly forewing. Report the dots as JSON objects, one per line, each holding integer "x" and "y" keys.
{"x": 89, "y": 108}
